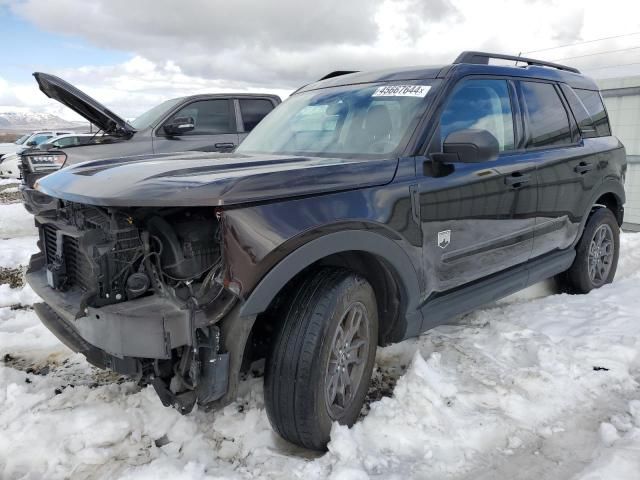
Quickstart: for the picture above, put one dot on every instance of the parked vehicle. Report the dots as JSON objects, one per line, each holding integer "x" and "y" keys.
{"x": 366, "y": 209}
{"x": 209, "y": 123}
{"x": 27, "y": 141}
{"x": 10, "y": 147}
{"x": 40, "y": 158}
{"x": 10, "y": 166}
{"x": 11, "y": 163}
{"x": 71, "y": 140}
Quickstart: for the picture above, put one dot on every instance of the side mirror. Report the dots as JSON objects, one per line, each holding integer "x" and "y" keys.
{"x": 471, "y": 146}
{"x": 32, "y": 143}
{"x": 180, "y": 125}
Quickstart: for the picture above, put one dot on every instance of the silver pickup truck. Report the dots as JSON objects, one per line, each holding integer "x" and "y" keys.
{"x": 207, "y": 123}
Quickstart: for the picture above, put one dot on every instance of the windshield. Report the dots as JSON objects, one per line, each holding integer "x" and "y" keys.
{"x": 352, "y": 120}
{"x": 21, "y": 140}
{"x": 153, "y": 116}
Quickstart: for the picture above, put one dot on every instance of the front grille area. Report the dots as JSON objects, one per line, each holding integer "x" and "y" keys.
{"x": 93, "y": 250}
{"x": 73, "y": 267}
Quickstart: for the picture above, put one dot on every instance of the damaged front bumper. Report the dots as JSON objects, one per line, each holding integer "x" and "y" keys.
{"x": 147, "y": 327}
{"x": 133, "y": 336}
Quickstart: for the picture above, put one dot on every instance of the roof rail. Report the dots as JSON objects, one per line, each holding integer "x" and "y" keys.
{"x": 337, "y": 73}
{"x": 482, "y": 58}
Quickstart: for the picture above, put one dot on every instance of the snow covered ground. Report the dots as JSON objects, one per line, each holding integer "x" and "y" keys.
{"x": 537, "y": 386}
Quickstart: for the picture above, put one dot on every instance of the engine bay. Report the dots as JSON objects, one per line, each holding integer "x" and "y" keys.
{"x": 115, "y": 255}
{"x": 106, "y": 257}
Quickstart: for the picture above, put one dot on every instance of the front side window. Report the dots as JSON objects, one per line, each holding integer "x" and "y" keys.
{"x": 548, "y": 119}
{"x": 210, "y": 117}
{"x": 345, "y": 121}
{"x": 38, "y": 139}
{"x": 253, "y": 110}
{"x": 480, "y": 104}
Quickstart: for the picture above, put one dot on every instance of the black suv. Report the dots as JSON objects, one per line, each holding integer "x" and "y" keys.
{"x": 366, "y": 209}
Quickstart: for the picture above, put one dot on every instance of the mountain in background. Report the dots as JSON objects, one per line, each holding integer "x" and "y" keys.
{"x": 27, "y": 121}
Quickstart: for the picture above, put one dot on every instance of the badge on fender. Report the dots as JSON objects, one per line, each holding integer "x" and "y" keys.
{"x": 444, "y": 238}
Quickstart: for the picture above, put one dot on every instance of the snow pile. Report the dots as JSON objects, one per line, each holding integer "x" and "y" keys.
{"x": 7, "y": 181}
{"x": 537, "y": 386}
{"x": 16, "y": 222}
{"x": 17, "y": 251}
{"x": 619, "y": 454}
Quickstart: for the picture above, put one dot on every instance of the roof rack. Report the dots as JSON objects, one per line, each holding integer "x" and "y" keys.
{"x": 482, "y": 58}
{"x": 337, "y": 73}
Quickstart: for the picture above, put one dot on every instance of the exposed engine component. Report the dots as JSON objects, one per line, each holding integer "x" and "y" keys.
{"x": 118, "y": 255}
{"x": 188, "y": 244}
{"x": 93, "y": 250}
{"x": 137, "y": 285}
{"x": 114, "y": 255}
{"x": 200, "y": 373}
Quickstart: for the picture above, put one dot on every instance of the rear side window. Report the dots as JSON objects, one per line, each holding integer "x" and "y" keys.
{"x": 253, "y": 110}
{"x": 548, "y": 120}
{"x": 592, "y": 101}
{"x": 67, "y": 141}
{"x": 480, "y": 104}
{"x": 585, "y": 124}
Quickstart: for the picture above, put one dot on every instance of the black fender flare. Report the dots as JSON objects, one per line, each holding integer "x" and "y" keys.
{"x": 338, "y": 242}
{"x": 610, "y": 185}
{"x": 613, "y": 186}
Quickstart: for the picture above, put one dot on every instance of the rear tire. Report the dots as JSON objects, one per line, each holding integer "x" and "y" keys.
{"x": 596, "y": 254}
{"x": 320, "y": 365}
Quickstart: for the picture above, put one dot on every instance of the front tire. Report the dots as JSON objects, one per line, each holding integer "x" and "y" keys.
{"x": 321, "y": 361}
{"x": 596, "y": 254}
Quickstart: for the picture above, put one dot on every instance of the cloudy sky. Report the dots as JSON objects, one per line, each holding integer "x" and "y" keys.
{"x": 132, "y": 54}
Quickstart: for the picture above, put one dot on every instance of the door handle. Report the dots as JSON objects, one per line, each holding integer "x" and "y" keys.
{"x": 583, "y": 167}
{"x": 225, "y": 145}
{"x": 517, "y": 179}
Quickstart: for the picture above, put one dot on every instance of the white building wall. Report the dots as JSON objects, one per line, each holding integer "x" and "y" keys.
{"x": 622, "y": 99}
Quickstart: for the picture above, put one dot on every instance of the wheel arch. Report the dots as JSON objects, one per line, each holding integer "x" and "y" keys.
{"x": 610, "y": 194}
{"x": 613, "y": 198}
{"x": 378, "y": 258}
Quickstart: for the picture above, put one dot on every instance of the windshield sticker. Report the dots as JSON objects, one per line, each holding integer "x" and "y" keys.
{"x": 402, "y": 91}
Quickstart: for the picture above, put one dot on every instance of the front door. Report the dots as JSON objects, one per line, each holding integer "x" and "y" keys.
{"x": 215, "y": 128}
{"x": 477, "y": 218}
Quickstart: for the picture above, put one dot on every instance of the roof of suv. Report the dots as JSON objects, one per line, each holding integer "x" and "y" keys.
{"x": 202, "y": 96}
{"x": 467, "y": 63}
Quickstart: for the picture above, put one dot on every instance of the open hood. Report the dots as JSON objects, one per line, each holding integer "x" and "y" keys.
{"x": 82, "y": 104}
{"x": 201, "y": 179}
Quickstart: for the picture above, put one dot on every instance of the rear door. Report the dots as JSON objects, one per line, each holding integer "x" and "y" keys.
{"x": 215, "y": 128}
{"x": 251, "y": 111}
{"x": 566, "y": 174}
{"x": 477, "y": 218}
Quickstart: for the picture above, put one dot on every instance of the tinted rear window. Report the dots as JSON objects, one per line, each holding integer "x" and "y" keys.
{"x": 592, "y": 101}
{"x": 548, "y": 119}
{"x": 253, "y": 111}
{"x": 583, "y": 119}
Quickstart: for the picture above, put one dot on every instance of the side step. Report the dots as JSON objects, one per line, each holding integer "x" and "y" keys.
{"x": 442, "y": 308}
